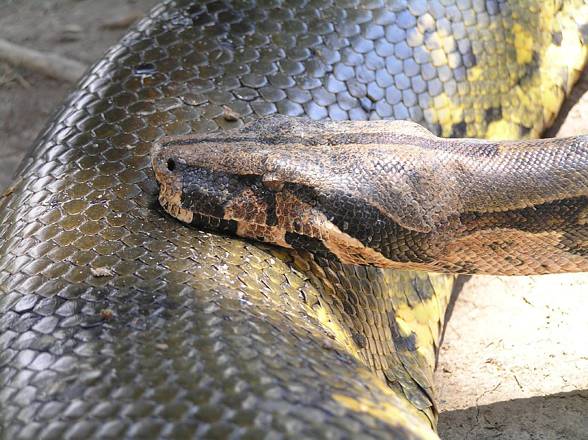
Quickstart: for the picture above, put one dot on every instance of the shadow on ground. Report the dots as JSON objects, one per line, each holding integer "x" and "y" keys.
{"x": 570, "y": 120}
{"x": 521, "y": 419}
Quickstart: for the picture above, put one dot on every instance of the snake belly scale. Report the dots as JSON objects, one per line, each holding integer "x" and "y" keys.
{"x": 119, "y": 322}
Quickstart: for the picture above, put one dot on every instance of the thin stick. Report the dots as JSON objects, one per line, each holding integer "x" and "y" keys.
{"x": 50, "y": 64}
{"x": 123, "y": 22}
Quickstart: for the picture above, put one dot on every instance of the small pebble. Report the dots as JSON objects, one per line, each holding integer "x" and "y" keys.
{"x": 106, "y": 314}
{"x": 229, "y": 114}
{"x": 101, "y": 272}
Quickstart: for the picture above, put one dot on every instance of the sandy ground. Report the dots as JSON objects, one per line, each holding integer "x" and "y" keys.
{"x": 514, "y": 364}
{"x": 74, "y": 28}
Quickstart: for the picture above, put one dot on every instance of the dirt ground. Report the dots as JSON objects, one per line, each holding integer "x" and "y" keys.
{"x": 514, "y": 364}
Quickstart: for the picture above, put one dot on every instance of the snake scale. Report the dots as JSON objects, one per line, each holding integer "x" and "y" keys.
{"x": 117, "y": 321}
{"x": 387, "y": 194}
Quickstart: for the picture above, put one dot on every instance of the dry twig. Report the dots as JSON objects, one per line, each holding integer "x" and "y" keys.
{"x": 50, "y": 64}
{"x": 123, "y": 22}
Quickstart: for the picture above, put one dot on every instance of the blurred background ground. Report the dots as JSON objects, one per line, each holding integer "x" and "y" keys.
{"x": 78, "y": 29}
{"x": 514, "y": 364}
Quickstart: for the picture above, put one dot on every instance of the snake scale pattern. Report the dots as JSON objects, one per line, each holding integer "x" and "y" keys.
{"x": 387, "y": 194}
{"x": 116, "y": 321}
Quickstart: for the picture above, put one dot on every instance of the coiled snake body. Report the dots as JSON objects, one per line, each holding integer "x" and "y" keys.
{"x": 118, "y": 321}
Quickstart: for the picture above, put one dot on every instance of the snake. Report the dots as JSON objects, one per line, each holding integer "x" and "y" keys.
{"x": 118, "y": 321}
{"x": 387, "y": 194}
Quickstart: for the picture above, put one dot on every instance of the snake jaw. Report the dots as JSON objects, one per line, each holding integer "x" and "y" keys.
{"x": 170, "y": 184}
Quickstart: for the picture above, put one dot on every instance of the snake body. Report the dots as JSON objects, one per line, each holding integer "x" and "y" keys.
{"x": 119, "y": 322}
{"x": 389, "y": 194}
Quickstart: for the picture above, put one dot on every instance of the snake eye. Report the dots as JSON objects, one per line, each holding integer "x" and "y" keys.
{"x": 171, "y": 164}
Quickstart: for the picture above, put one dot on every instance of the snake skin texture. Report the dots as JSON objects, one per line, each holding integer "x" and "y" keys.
{"x": 117, "y": 321}
{"x": 385, "y": 193}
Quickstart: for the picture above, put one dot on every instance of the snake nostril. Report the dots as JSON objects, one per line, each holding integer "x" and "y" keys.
{"x": 171, "y": 164}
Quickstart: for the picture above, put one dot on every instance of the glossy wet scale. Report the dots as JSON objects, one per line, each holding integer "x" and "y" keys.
{"x": 196, "y": 315}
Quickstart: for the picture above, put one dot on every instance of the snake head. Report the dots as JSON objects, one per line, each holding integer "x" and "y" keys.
{"x": 219, "y": 175}
{"x": 218, "y": 182}
{"x": 295, "y": 183}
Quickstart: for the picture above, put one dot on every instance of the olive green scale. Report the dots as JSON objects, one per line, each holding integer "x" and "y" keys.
{"x": 117, "y": 321}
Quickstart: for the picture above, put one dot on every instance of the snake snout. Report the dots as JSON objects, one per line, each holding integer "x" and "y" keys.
{"x": 167, "y": 168}
{"x": 162, "y": 162}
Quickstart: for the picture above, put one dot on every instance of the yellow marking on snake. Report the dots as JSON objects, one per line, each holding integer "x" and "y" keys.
{"x": 530, "y": 77}
{"x": 386, "y": 412}
{"x": 523, "y": 43}
{"x": 415, "y": 319}
{"x": 341, "y": 335}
